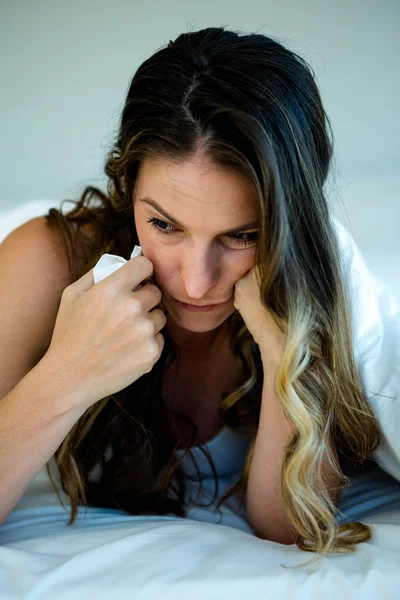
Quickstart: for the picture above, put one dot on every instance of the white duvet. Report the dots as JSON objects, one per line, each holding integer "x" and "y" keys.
{"x": 173, "y": 558}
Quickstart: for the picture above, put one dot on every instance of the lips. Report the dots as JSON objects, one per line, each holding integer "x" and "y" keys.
{"x": 201, "y": 305}
{"x": 198, "y": 308}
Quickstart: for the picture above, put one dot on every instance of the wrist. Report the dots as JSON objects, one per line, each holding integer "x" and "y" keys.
{"x": 269, "y": 358}
{"x": 60, "y": 387}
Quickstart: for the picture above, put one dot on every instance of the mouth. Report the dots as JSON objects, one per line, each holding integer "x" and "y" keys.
{"x": 199, "y": 308}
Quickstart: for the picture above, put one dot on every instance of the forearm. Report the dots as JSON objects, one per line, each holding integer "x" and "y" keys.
{"x": 265, "y": 509}
{"x": 34, "y": 420}
{"x": 264, "y": 502}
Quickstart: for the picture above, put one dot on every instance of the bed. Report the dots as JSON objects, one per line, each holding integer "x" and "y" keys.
{"x": 108, "y": 553}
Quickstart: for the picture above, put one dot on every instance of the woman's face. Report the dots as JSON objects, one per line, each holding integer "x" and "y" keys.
{"x": 197, "y": 261}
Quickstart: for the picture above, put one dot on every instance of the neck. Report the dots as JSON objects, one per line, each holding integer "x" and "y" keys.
{"x": 196, "y": 344}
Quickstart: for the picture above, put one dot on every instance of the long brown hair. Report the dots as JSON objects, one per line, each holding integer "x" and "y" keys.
{"x": 249, "y": 105}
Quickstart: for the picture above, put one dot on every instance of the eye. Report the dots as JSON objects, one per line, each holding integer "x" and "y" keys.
{"x": 157, "y": 224}
{"x": 239, "y": 238}
{"x": 250, "y": 238}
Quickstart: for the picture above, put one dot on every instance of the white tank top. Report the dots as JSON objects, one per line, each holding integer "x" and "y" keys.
{"x": 228, "y": 450}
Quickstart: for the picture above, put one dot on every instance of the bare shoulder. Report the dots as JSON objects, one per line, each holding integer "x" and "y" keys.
{"x": 35, "y": 245}
{"x": 34, "y": 271}
{"x": 45, "y": 245}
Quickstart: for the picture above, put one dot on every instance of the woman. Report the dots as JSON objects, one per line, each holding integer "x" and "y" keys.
{"x": 217, "y": 173}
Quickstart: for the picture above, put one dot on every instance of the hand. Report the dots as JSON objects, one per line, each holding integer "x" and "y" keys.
{"x": 258, "y": 319}
{"x": 107, "y": 335}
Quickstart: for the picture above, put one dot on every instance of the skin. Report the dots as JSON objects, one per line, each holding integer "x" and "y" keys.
{"x": 196, "y": 264}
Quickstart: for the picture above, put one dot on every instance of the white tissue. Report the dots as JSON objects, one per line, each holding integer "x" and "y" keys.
{"x": 109, "y": 263}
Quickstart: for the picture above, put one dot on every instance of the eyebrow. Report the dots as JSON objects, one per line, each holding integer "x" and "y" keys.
{"x": 155, "y": 205}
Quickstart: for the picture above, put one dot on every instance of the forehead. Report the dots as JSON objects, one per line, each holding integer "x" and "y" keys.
{"x": 195, "y": 189}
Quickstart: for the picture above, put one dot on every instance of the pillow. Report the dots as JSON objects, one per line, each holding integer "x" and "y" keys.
{"x": 376, "y": 330}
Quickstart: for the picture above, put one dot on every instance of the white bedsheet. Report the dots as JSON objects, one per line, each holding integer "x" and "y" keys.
{"x": 107, "y": 553}
{"x": 146, "y": 557}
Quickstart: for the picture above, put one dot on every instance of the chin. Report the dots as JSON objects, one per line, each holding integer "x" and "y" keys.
{"x": 200, "y": 322}
{"x": 200, "y": 327}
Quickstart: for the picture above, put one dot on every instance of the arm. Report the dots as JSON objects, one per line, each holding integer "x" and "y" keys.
{"x": 34, "y": 393}
{"x": 264, "y": 502}
{"x": 34, "y": 419}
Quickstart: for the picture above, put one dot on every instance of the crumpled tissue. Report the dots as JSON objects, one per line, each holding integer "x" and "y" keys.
{"x": 109, "y": 263}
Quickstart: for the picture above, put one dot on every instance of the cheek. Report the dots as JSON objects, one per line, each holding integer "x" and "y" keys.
{"x": 239, "y": 268}
{"x": 149, "y": 250}
{"x": 162, "y": 272}
{"x": 154, "y": 254}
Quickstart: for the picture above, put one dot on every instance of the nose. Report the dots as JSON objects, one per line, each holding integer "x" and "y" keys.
{"x": 200, "y": 271}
